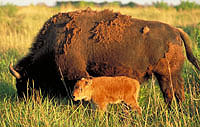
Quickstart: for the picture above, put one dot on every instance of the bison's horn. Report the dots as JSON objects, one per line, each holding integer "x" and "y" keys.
{"x": 14, "y": 72}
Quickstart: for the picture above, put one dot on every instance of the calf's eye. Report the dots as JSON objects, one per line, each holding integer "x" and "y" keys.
{"x": 86, "y": 82}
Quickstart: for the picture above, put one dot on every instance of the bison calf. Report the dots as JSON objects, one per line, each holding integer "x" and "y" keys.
{"x": 105, "y": 90}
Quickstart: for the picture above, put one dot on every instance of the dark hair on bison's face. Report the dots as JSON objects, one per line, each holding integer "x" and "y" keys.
{"x": 21, "y": 80}
{"x": 40, "y": 75}
{"x": 23, "y": 72}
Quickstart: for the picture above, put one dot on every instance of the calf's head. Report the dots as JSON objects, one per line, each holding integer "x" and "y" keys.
{"x": 82, "y": 89}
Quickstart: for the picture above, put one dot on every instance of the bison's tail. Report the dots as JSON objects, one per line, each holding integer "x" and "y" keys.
{"x": 188, "y": 49}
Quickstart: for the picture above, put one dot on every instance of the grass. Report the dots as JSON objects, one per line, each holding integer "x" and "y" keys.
{"x": 18, "y": 29}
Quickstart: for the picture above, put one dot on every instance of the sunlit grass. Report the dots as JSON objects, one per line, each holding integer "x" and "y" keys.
{"x": 53, "y": 112}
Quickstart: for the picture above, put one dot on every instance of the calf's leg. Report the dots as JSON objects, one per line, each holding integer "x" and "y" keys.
{"x": 132, "y": 102}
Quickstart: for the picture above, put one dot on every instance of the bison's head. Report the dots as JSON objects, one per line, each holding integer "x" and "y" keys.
{"x": 83, "y": 90}
{"x": 21, "y": 79}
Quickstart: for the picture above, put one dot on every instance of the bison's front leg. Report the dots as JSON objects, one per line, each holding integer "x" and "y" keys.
{"x": 77, "y": 70}
{"x": 73, "y": 66}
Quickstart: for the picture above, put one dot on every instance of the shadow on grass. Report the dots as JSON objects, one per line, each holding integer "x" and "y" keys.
{"x": 7, "y": 91}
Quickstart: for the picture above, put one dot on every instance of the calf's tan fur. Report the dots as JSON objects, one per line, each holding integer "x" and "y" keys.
{"x": 105, "y": 90}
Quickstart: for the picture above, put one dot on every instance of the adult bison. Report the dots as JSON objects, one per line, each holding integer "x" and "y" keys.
{"x": 91, "y": 43}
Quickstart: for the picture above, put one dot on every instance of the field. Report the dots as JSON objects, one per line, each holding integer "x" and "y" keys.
{"x": 19, "y": 26}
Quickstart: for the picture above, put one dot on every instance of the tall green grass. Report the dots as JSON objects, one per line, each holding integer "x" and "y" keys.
{"x": 17, "y": 33}
{"x": 52, "y": 112}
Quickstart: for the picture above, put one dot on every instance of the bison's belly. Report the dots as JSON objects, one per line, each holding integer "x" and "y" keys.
{"x": 105, "y": 69}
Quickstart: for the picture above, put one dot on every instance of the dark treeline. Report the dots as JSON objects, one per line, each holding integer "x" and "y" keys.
{"x": 184, "y": 5}
{"x": 84, "y": 3}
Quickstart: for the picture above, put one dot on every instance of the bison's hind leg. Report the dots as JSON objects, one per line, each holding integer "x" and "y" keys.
{"x": 171, "y": 86}
{"x": 168, "y": 73}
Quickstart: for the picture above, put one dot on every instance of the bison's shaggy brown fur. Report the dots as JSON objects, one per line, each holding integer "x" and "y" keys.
{"x": 108, "y": 90}
{"x": 91, "y": 43}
